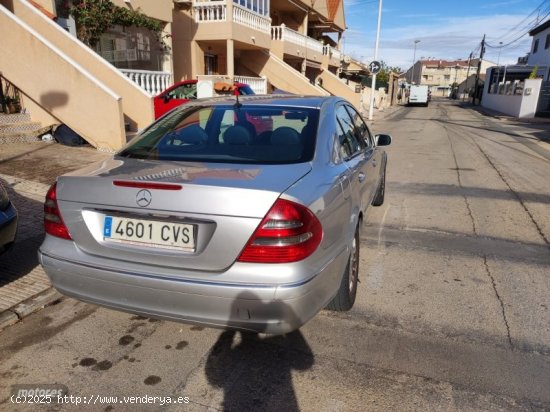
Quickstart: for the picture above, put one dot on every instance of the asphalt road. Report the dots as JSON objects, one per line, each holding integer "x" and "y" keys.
{"x": 452, "y": 310}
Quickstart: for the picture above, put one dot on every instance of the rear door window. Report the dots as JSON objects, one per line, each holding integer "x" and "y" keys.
{"x": 361, "y": 127}
{"x": 185, "y": 91}
{"x": 349, "y": 142}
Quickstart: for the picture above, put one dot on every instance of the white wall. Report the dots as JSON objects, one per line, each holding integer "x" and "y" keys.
{"x": 530, "y": 99}
{"x": 523, "y": 106}
{"x": 542, "y": 56}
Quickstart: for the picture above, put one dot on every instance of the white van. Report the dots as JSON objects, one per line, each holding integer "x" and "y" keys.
{"x": 418, "y": 94}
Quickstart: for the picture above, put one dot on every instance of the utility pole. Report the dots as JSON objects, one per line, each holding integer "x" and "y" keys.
{"x": 414, "y": 62}
{"x": 481, "y": 54}
{"x": 467, "y": 75}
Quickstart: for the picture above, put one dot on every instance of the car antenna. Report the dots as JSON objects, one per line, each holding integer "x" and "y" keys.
{"x": 237, "y": 104}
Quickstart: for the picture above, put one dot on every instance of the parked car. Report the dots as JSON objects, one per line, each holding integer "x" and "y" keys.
{"x": 201, "y": 219}
{"x": 8, "y": 221}
{"x": 183, "y": 92}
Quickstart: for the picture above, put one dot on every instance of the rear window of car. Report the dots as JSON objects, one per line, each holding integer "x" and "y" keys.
{"x": 230, "y": 134}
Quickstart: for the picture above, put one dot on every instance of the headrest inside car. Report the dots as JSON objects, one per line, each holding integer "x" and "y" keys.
{"x": 285, "y": 136}
{"x": 237, "y": 135}
{"x": 193, "y": 134}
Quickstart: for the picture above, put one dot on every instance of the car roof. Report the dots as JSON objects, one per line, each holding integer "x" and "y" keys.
{"x": 269, "y": 100}
{"x": 194, "y": 81}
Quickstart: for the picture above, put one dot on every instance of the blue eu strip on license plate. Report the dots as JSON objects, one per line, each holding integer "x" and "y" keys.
{"x": 107, "y": 226}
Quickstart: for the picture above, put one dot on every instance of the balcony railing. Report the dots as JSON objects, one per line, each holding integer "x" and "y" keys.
{"x": 210, "y": 11}
{"x": 283, "y": 33}
{"x": 152, "y": 82}
{"x": 332, "y": 52}
{"x": 216, "y": 11}
{"x": 251, "y": 19}
{"x": 258, "y": 84}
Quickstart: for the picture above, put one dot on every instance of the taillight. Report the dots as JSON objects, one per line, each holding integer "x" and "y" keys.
{"x": 53, "y": 222}
{"x": 288, "y": 233}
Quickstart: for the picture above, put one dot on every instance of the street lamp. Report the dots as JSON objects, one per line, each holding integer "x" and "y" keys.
{"x": 414, "y": 59}
{"x": 373, "y": 83}
{"x": 498, "y": 65}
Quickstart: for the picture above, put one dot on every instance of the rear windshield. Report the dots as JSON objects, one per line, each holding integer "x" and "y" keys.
{"x": 230, "y": 134}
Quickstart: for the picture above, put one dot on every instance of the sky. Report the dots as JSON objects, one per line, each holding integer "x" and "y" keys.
{"x": 447, "y": 29}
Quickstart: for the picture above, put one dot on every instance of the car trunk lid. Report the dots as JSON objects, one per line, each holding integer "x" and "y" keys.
{"x": 219, "y": 205}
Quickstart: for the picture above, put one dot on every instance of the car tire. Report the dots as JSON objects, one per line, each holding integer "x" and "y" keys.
{"x": 379, "y": 197}
{"x": 345, "y": 298}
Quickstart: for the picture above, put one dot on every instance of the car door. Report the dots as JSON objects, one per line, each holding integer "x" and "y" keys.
{"x": 352, "y": 152}
{"x": 372, "y": 156}
{"x": 174, "y": 96}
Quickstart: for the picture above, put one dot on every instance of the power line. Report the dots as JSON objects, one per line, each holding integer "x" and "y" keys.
{"x": 536, "y": 10}
{"x": 517, "y": 38}
{"x": 526, "y": 28}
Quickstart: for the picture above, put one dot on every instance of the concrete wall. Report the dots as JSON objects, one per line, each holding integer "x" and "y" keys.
{"x": 137, "y": 104}
{"x": 47, "y": 4}
{"x": 69, "y": 92}
{"x": 157, "y": 9}
{"x": 521, "y": 106}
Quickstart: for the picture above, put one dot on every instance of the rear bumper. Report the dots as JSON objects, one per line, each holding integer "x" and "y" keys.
{"x": 270, "y": 309}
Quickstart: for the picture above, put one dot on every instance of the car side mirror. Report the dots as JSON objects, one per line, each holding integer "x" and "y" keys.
{"x": 383, "y": 139}
{"x": 166, "y": 98}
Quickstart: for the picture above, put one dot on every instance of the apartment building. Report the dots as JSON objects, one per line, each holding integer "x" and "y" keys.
{"x": 293, "y": 45}
{"x": 440, "y": 75}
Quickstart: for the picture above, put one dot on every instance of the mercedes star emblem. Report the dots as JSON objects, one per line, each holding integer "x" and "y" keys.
{"x": 143, "y": 198}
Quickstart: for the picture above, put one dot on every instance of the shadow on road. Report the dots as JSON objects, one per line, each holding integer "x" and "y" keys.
{"x": 445, "y": 190}
{"x": 22, "y": 257}
{"x": 255, "y": 372}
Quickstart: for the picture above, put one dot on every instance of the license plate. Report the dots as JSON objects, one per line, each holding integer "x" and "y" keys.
{"x": 153, "y": 233}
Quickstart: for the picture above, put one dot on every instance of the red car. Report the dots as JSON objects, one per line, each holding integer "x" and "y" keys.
{"x": 184, "y": 91}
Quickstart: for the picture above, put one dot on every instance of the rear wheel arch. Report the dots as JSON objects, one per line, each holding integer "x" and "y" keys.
{"x": 347, "y": 290}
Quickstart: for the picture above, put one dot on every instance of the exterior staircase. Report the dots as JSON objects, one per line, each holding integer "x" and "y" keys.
{"x": 15, "y": 128}
{"x": 280, "y": 74}
{"x": 84, "y": 91}
{"x": 337, "y": 87}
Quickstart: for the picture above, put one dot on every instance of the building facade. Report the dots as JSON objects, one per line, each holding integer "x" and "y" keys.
{"x": 523, "y": 90}
{"x": 293, "y": 45}
{"x": 441, "y": 75}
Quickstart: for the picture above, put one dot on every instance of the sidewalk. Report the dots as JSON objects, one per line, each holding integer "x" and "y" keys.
{"x": 27, "y": 170}
{"x": 499, "y": 115}
{"x": 534, "y": 128}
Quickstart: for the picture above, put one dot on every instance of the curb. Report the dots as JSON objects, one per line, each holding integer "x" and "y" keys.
{"x": 28, "y": 306}
{"x": 498, "y": 115}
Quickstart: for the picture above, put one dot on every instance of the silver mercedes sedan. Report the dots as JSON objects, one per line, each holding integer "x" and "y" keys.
{"x": 240, "y": 213}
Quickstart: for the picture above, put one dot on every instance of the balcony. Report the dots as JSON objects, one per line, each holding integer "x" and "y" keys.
{"x": 153, "y": 82}
{"x": 332, "y": 55}
{"x": 291, "y": 43}
{"x": 225, "y": 19}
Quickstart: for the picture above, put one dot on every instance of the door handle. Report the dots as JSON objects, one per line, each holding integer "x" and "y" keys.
{"x": 361, "y": 177}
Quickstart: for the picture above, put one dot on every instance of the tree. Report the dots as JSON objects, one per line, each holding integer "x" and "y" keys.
{"x": 533, "y": 74}
{"x": 95, "y": 17}
{"x": 383, "y": 75}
